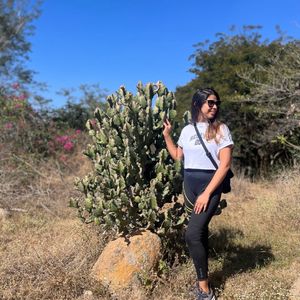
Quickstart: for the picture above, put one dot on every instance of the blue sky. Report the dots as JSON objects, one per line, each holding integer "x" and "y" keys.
{"x": 118, "y": 42}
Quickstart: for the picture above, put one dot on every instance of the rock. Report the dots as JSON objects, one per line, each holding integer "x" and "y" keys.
{"x": 4, "y": 214}
{"x": 87, "y": 295}
{"x": 122, "y": 261}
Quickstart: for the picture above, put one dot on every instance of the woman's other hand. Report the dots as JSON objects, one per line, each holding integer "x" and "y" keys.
{"x": 167, "y": 128}
{"x": 201, "y": 203}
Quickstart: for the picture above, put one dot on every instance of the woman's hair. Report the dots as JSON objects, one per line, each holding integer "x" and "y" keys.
{"x": 198, "y": 100}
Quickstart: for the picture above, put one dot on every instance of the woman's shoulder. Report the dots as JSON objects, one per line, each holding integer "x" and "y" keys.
{"x": 224, "y": 127}
{"x": 188, "y": 128}
{"x": 185, "y": 131}
{"x": 189, "y": 125}
{"x": 225, "y": 133}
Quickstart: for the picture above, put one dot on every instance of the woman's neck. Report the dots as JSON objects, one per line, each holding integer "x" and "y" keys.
{"x": 202, "y": 120}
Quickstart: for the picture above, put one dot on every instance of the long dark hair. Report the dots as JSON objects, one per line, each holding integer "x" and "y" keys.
{"x": 198, "y": 100}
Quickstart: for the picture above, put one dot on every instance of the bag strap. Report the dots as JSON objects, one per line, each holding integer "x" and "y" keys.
{"x": 208, "y": 154}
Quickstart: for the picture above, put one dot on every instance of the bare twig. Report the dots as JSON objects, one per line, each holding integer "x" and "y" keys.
{"x": 59, "y": 171}
{"x": 29, "y": 165}
{"x": 46, "y": 208}
{"x": 296, "y": 147}
{"x": 18, "y": 210}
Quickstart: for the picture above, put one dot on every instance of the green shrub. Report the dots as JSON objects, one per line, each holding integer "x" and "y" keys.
{"x": 134, "y": 183}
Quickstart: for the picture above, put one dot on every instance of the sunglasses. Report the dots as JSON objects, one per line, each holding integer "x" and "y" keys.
{"x": 211, "y": 103}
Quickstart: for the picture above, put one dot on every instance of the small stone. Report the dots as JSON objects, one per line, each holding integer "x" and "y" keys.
{"x": 88, "y": 295}
{"x": 4, "y": 214}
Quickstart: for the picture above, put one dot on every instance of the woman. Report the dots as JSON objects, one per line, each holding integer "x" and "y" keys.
{"x": 202, "y": 182}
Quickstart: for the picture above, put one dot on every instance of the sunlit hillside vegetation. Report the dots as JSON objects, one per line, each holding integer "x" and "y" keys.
{"x": 47, "y": 253}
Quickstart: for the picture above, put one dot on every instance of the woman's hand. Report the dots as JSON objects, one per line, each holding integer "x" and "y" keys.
{"x": 167, "y": 128}
{"x": 175, "y": 152}
{"x": 201, "y": 203}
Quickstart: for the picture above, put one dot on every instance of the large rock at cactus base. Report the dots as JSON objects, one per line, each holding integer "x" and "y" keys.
{"x": 123, "y": 260}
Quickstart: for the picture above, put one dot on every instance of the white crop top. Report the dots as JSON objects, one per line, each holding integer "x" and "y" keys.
{"x": 194, "y": 154}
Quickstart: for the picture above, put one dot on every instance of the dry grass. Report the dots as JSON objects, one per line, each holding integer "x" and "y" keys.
{"x": 47, "y": 253}
{"x": 254, "y": 243}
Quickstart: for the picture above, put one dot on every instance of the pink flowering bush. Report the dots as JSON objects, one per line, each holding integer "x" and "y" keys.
{"x": 21, "y": 128}
{"x": 8, "y": 125}
{"x": 68, "y": 146}
{"x": 24, "y": 129}
{"x": 67, "y": 143}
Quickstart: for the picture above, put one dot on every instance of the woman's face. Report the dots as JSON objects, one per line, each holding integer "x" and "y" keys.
{"x": 209, "y": 108}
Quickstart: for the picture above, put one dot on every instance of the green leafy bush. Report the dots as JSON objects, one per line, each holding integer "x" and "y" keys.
{"x": 79, "y": 107}
{"x": 134, "y": 183}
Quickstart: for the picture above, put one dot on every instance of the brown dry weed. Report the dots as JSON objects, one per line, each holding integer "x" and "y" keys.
{"x": 47, "y": 253}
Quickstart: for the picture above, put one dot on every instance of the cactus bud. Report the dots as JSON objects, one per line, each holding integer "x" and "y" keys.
{"x": 88, "y": 203}
{"x": 172, "y": 114}
{"x": 153, "y": 202}
{"x": 137, "y": 199}
{"x": 96, "y": 221}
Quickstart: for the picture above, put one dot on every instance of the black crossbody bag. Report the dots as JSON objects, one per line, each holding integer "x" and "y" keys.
{"x": 226, "y": 187}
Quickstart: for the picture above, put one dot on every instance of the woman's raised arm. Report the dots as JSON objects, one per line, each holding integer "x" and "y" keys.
{"x": 175, "y": 152}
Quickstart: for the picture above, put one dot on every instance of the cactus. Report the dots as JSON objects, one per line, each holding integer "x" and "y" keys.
{"x": 133, "y": 176}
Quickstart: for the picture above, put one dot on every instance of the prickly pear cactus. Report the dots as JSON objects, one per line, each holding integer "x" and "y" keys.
{"x": 135, "y": 182}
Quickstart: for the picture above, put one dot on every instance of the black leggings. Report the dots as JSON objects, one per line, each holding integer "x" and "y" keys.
{"x": 196, "y": 236}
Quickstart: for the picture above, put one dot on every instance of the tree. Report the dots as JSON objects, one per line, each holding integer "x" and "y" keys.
{"x": 16, "y": 18}
{"x": 80, "y": 106}
{"x": 276, "y": 96}
{"x": 219, "y": 64}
